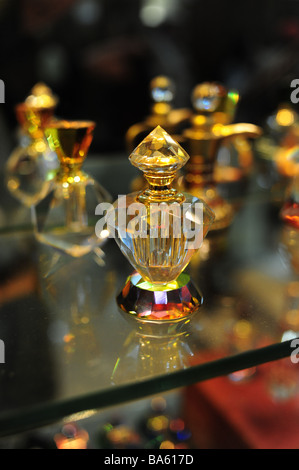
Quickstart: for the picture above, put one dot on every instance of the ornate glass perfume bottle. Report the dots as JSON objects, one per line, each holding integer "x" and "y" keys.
{"x": 162, "y": 91}
{"x": 211, "y": 128}
{"x": 65, "y": 219}
{"x": 32, "y": 165}
{"x": 161, "y": 240}
{"x": 277, "y": 152}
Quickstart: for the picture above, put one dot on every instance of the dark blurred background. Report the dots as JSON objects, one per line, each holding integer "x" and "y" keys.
{"x": 98, "y": 56}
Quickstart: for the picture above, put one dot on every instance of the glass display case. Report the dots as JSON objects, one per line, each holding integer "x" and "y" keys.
{"x": 67, "y": 348}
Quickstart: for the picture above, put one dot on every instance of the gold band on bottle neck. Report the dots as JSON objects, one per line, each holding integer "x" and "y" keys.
{"x": 160, "y": 189}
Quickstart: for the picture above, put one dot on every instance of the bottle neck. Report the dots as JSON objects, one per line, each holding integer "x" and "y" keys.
{"x": 39, "y": 144}
{"x": 70, "y": 172}
{"x": 34, "y": 133}
{"x": 160, "y": 189}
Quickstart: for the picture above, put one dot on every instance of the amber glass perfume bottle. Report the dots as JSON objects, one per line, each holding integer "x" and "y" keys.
{"x": 163, "y": 113}
{"x": 162, "y": 91}
{"x": 32, "y": 165}
{"x": 210, "y": 128}
{"x": 160, "y": 242}
{"x": 65, "y": 219}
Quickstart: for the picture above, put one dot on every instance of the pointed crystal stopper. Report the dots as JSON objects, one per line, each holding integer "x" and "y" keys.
{"x": 41, "y": 96}
{"x": 213, "y": 99}
{"x": 207, "y": 96}
{"x": 159, "y": 153}
{"x": 162, "y": 89}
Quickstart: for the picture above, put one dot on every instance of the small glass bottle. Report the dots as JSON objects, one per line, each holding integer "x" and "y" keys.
{"x": 210, "y": 129}
{"x": 32, "y": 165}
{"x": 161, "y": 240}
{"x": 65, "y": 219}
{"x": 172, "y": 120}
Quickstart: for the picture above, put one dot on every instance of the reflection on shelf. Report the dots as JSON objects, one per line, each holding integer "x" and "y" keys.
{"x": 70, "y": 289}
{"x": 66, "y": 309}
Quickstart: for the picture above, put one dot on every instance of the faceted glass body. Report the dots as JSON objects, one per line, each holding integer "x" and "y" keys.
{"x": 65, "y": 219}
{"x": 159, "y": 240}
{"x": 146, "y": 301}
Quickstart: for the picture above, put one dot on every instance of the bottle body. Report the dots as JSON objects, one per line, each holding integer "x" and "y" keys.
{"x": 65, "y": 219}
{"x": 160, "y": 238}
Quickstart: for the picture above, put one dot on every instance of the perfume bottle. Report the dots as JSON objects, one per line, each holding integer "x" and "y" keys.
{"x": 280, "y": 135}
{"x": 65, "y": 219}
{"x": 162, "y": 91}
{"x": 173, "y": 121}
{"x": 211, "y": 128}
{"x": 277, "y": 152}
{"x": 160, "y": 241}
{"x": 32, "y": 165}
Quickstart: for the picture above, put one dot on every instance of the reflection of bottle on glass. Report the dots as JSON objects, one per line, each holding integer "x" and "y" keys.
{"x": 32, "y": 165}
{"x": 242, "y": 339}
{"x": 145, "y": 354}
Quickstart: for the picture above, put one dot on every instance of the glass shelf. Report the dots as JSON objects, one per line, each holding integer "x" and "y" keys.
{"x": 67, "y": 347}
